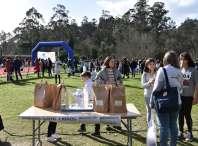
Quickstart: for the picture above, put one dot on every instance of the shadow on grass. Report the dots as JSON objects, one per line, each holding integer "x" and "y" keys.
{"x": 140, "y": 138}
{"x": 132, "y": 86}
{"x": 102, "y": 140}
{"x": 182, "y": 142}
{"x": 62, "y": 143}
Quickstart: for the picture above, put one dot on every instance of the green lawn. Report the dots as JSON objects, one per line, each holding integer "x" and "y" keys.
{"x": 16, "y": 97}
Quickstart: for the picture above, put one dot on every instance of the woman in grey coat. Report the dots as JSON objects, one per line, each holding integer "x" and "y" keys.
{"x": 110, "y": 75}
{"x": 148, "y": 78}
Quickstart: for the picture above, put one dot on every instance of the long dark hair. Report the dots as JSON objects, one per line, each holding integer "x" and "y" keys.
{"x": 106, "y": 61}
{"x": 188, "y": 57}
{"x": 146, "y": 69}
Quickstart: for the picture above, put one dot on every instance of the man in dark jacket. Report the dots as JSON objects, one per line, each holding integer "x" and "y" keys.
{"x": 91, "y": 65}
{"x": 133, "y": 66}
{"x": 142, "y": 66}
{"x": 125, "y": 67}
{"x": 17, "y": 64}
{"x": 49, "y": 67}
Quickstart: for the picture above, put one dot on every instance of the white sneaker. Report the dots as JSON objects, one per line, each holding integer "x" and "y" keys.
{"x": 55, "y": 135}
{"x": 51, "y": 139}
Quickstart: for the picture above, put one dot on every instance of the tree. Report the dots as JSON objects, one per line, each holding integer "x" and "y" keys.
{"x": 71, "y": 41}
{"x": 93, "y": 53}
{"x": 28, "y": 29}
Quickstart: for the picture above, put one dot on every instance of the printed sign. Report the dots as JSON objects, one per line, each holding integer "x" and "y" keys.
{"x": 187, "y": 75}
{"x": 111, "y": 120}
{"x": 99, "y": 102}
{"x": 79, "y": 97}
{"x": 92, "y": 119}
{"x": 89, "y": 119}
{"x": 118, "y": 103}
{"x": 46, "y": 55}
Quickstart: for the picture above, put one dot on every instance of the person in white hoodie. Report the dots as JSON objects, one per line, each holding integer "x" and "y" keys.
{"x": 57, "y": 68}
{"x": 86, "y": 78}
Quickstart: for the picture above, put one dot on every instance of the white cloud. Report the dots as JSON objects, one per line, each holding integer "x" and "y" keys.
{"x": 78, "y": 20}
{"x": 183, "y": 3}
{"x": 117, "y": 8}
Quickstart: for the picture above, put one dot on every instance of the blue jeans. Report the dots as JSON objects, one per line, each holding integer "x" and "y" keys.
{"x": 133, "y": 72}
{"x": 97, "y": 126}
{"x": 168, "y": 127}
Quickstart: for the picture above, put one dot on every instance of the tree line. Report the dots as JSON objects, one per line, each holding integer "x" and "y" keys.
{"x": 143, "y": 31}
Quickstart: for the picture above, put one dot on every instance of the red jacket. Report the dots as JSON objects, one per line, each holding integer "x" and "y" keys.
{"x": 8, "y": 66}
{"x": 37, "y": 66}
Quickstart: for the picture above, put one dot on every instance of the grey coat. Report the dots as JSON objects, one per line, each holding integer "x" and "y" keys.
{"x": 103, "y": 75}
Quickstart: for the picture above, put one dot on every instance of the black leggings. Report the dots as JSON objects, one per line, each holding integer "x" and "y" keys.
{"x": 51, "y": 128}
{"x": 185, "y": 111}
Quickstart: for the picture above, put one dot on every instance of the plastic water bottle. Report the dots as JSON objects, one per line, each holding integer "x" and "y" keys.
{"x": 86, "y": 100}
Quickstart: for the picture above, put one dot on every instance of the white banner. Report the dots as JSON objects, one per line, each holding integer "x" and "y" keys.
{"x": 46, "y": 55}
{"x": 89, "y": 119}
{"x": 104, "y": 120}
{"x": 111, "y": 120}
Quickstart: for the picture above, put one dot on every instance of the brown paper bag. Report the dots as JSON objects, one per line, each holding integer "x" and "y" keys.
{"x": 44, "y": 95}
{"x": 117, "y": 99}
{"x": 60, "y": 92}
{"x": 100, "y": 98}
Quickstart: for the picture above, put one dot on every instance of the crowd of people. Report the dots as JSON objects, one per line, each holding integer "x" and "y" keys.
{"x": 182, "y": 73}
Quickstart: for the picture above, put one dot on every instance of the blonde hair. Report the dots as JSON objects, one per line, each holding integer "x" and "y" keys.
{"x": 170, "y": 58}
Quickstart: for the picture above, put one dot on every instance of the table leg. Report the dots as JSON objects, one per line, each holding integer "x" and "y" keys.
{"x": 39, "y": 133}
{"x": 33, "y": 133}
{"x": 130, "y": 131}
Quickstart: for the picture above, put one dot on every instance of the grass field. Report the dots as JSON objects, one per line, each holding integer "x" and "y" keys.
{"x": 16, "y": 97}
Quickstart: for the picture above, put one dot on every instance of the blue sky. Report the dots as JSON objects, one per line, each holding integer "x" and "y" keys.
{"x": 13, "y": 11}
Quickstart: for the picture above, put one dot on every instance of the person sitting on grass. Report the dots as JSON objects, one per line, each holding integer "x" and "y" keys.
{"x": 8, "y": 70}
{"x": 69, "y": 71}
{"x": 86, "y": 78}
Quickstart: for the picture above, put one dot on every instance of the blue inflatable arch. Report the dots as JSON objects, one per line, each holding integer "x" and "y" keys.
{"x": 51, "y": 44}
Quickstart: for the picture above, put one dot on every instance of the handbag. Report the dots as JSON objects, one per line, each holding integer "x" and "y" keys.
{"x": 166, "y": 100}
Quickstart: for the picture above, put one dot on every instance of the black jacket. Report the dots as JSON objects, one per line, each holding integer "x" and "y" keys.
{"x": 50, "y": 64}
{"x": 125, "y": 64}
{"x": 133, "y": 64}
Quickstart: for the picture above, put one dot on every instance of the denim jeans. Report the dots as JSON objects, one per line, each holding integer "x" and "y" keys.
{"x": 97, "y": 126}
{"x": 133, "y": 72}
{"x": 168, "y": 127}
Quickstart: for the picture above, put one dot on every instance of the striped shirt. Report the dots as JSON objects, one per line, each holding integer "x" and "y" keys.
{"x": 111, "y": 77}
